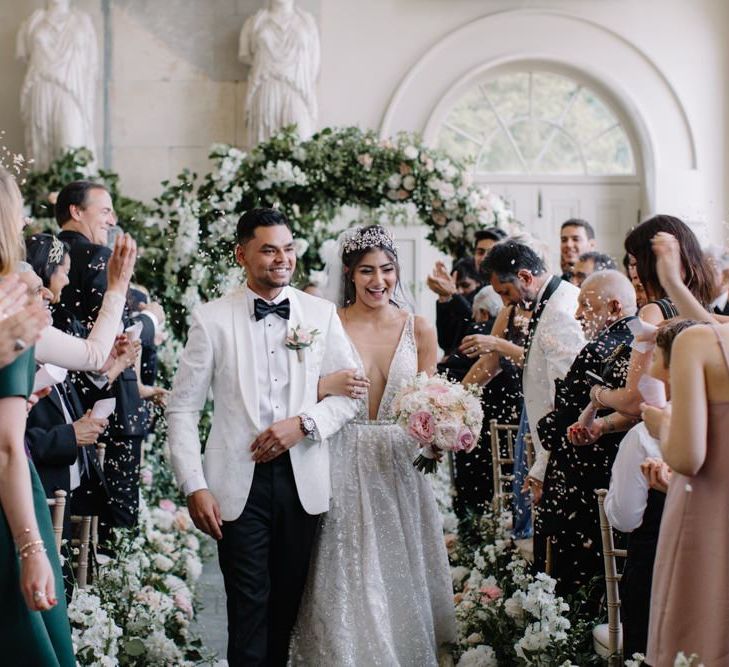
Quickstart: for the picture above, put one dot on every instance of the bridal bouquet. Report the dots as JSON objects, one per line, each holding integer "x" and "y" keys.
{"x": 440, "y": 415}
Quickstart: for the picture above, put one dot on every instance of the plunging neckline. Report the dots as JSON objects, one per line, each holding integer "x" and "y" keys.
{"x": 389, "y": 368}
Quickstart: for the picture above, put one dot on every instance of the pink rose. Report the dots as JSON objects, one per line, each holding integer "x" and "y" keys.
{"x": 146, "y": 476}
{"x": 421, "y": 426}
{"x": 436, "y": 389}
{"x": 490, "y": 593}
{"x": 182, "y": 520}
{"x": 182, "y": 602}
{"x": 466, "y": 440}
{"x": 446, "y": 435}
{"x": 167, "y": 505}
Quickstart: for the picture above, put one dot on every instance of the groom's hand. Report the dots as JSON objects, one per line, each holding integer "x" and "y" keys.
{"x": 276, "y": 439}
{"x": 205, "y": 513}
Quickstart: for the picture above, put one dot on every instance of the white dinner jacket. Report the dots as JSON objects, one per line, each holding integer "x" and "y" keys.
{"x": 557, "y": 340}
{"x": 219, "y": 355}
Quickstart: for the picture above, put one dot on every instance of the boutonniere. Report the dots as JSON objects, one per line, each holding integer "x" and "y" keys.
{"x": 299, "y": 338}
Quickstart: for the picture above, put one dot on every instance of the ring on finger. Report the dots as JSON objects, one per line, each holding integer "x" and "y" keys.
{"x": 38, "y": 595}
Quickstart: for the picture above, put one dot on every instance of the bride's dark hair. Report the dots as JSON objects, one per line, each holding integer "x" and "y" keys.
{"x": 356, "y": 247}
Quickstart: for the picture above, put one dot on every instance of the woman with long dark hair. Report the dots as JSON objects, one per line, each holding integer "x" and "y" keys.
{"x": 379, "y": 589}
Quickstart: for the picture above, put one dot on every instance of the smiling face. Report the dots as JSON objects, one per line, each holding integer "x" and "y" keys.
{"x": 59, "y": 279}
{"x": 573, "y": 242}
{"x": 96, "y": 216}
{"x": 269, "y": 259}
{"x": 375, "y": 278}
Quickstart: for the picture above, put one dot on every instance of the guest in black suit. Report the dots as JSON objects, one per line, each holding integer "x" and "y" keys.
{"x": 568, "y": 510}
{"x": 454, "y": 309}
{"x": 85, "y": 213}
{"x": 60, "y": 437}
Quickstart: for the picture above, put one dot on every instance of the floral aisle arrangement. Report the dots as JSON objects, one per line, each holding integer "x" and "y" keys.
{"x": 139, "y": 609}
{"x": 507, "y": 615}
{"x": 440, "y": 415}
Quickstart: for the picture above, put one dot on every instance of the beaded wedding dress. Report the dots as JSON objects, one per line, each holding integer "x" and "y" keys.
{"x": 379, "y": 590}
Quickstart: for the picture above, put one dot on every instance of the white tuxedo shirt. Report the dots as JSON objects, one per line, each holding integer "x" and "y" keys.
{"x": 556, "y": 341}
{"x": 224, "y": 353}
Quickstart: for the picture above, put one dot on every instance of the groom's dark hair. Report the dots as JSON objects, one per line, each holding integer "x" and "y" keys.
{"x": 258, "y": 217}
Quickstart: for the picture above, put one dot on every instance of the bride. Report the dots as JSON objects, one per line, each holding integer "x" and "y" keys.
{"x": 379, "y": 590}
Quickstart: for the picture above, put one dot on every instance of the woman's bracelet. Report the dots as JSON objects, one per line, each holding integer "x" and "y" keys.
{"x": 28, "y": 545}
{"x": 598, "y": 393}
{"x": 32, "y": 552}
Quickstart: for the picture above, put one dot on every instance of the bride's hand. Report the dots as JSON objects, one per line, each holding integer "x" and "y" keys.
{"x": 349, "y": 382}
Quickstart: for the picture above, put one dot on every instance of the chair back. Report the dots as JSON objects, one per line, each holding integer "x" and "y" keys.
{"x": 612, "y": 579}
{"x": 529, "y": 446}
{"x": 101, "y": 456}
{"x": 502, "y": 453}
{"x": 80, "y": 564}
{"x": 58, "y": 507}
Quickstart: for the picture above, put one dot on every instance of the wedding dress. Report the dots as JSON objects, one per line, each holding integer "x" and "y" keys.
{"x": 379, "y": 590}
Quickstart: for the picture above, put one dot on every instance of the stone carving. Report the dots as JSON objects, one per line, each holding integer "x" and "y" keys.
{"x": 282, "y": 45}
{"x": 58, "y": 94}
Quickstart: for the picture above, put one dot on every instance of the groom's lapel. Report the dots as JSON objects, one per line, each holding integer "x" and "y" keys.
{"x": 247, "y": 376}
{"x": 297, "y": 369}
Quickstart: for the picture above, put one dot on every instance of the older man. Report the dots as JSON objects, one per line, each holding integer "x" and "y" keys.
{"x": 568, "y": 511}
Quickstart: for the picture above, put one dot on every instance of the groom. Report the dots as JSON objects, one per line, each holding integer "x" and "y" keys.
{"x": 265, "y": 477}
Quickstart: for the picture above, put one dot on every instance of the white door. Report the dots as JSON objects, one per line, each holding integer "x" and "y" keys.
{"x": 612, "y": 208}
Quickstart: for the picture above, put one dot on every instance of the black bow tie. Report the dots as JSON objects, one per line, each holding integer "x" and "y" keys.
{"x": 261, "y": 308}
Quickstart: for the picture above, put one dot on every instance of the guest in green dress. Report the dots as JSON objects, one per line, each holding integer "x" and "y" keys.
{"x": 34, "y": 627}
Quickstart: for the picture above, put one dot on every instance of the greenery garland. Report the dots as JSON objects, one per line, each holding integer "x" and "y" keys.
{"x": 186, "y": 236}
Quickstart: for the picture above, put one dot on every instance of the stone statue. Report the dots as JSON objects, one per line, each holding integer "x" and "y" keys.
{"x": 282, "y": 45}
{"x": 57, "y": 98}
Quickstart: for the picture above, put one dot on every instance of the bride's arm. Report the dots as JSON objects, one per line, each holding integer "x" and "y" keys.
{"x": 425, "y": 340}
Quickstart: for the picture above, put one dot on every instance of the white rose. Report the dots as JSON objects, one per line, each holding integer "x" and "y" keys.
{"x": 300, "y": 247}
{"x": 411, "y": 153}
{"x": 455, "y": 227}
{"x": 409, "y": 182}
{"x": 394, "y": 181}
{"x": 513, "y": 609}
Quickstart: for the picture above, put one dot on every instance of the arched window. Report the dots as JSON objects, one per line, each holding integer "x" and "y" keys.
{"x": 536, "y": 122}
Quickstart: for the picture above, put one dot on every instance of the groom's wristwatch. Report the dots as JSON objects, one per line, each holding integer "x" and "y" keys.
{"x": 307, "y": 424}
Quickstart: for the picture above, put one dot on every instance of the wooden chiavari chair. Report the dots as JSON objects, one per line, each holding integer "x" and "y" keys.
{"x": 608, "y": 637}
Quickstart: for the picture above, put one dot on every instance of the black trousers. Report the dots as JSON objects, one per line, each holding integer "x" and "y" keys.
{"x": 264, "y": 557}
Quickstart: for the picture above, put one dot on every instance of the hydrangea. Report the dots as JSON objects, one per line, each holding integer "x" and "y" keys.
{"x": 479, "y": 656}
